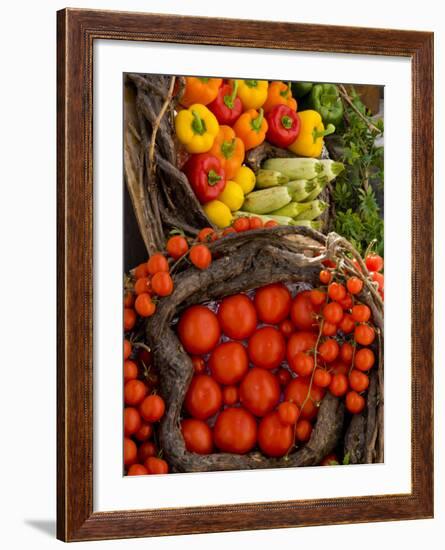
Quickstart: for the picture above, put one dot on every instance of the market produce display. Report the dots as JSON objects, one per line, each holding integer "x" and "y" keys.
{"x": 253, "y": 334}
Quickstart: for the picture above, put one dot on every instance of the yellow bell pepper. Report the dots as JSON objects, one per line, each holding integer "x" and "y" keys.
{"x": 309, "y": 142}
{"x": 253, "y": 93}
{"x": 196, "y": 128}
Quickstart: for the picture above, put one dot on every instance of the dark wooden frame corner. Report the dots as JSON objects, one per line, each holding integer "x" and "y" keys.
{"x": 77, "y": 31}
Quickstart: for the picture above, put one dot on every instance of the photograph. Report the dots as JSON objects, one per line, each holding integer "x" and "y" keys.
{"x": 253, "y": 283}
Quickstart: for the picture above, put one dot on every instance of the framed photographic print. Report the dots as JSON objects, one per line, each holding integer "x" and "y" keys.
{"x": 245, "y": 215}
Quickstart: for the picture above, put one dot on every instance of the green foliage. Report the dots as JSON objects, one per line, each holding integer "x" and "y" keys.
{"x": 357, "y": 211}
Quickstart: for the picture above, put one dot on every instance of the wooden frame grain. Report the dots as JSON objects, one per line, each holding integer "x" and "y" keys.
{"x": 76, "y": 32}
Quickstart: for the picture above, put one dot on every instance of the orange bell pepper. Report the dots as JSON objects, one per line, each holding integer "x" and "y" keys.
{"x": 279, "y": 93}
{"x": 251, "y": 127}
{"x": 229, "y": 149}
{"x": 200, "y": 90}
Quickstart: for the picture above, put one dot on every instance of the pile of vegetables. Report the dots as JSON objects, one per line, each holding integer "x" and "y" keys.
{"x": 219, "y": 121}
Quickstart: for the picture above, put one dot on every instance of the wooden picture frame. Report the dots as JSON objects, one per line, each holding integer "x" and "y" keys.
{"x": 77, "y": 31}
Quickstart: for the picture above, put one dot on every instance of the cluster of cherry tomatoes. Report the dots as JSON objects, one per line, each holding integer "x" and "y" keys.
{"x": 262, "y": 365}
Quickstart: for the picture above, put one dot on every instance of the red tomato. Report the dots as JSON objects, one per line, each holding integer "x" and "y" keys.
{"x": 361, "y": 313}
{"x": 364, "y": 335}
{"x": 228, "y": 363}
{"x": 347, "y": 324}
{"x": 358, "y": 381}
{"x": 177, "y": 246}
{"x": 288, "y": 412}
{"x": 297, "y": 391}
{"x": 206, "y": 235}
{"x": 329, "y": 350}
{"x": 129, "y": 318}
{"x": 156, "y": 465}
{"x": 274, "y": 438}
{"x": 132, "y": 421}
{"x": 330, "y": 460}
{"x": 354, "y": 285}
{"x": 336, "y": 291}
{"x": 364, "y": 359}
{"x": 197, "y": 436}
{"x": 152, "y": 408}
{"x": 130, "y": 370}
{"x": 128, "y": 299}
{"x": 329, "y": 329}
{"x": 148, "y": 448}
{"x": 162, "y": 284}
{"x": 374, "y": 262}
{"x": 127, "y": 348}
{"x": 317, "y": 297}
{"x": 241, "y": 224}
{"x": 142, "y": 285}
{"x": 199, "y": 365}
{"x": 300, "y": 341}
{"x": 237, "y": 316}
{"x": 284, "y": 377}
{"x": 255, "y": 222}
{"x": 203, "y": 398}
{"x": 144, "y": 305}
{"x": 266, "y": 348}
{"x": 303, "y": 430}
{"x": 338, "y": 385}
{"x": 286, "y": 328}
{"x": 141, "y": 271}
{"x": 130, "y": 451}
{"x": 302, "y": 363}
{"x": 134, "y": 392}
{"x": 137, "y": 470}
{"x": 354, "y": 402}
{"x": 346, "y": 303}
{"x": 144, "y": 432}
{"x": 156, "y": 263}
{"x": 272, "y": 303}
{"x": 259, "y": 391}
{"x": 325, "y": 276}
{"x": 322, "y": 378}
{"x": 333, "y": 312}
{"x": 303, "y": 311}
{"x": 379, "y": 279}
{"x": 230, "y": 395}
{"x": 235, "y": 431}
{"x": 337, "y": 367}
{"x": 346, "y": 353}
{"x": 271, "y": 223}
{"x": 198, "y": 330}
{"x": 200, "y": 256}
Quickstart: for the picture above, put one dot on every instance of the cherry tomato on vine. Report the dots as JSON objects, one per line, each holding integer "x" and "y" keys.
{"x": 148, "y": 448}
{"x": 132, "y": 421}
{"x": 128, "y": 299}
{"x": 336, "y": 291}
{"x": 374, "y": 262}
{"x": 303, "y": 430}
{"x": 271, "y": 223}
{"x": 288, "y": 412}
{"x": 200, "y": 256}
{"x": 354, "y": 402}
{"x": 130, "y": 370}
{"x": 130, "y": 451}
{"x": 127, "y": 348}
{"x": 156, "y": 466}
{"x": 274, "y": 438}
{"x": 207, "y": 235}
{"x": 364, "y": 359}
{"x": 358, "y": 381}
{"x": 272, "y": 303}
{"x": 364, "y": 335}
{"x": 237, "y": 316}
{"x": 325, "y": 276}
{"x": 198, "y": 330}
{"x": 346, "y": 353}
{"x": 284, "y": 376}
{"x": 203, "y": 398}
{"x": 144, "y": 432}
{"x": 347, "y": 323}
{"x": 235, "y": 431}
{"x": 361, "y": 313}
{"x": 134, "y": 392}
{"x": 156, "y": 263}
{"x": 338, "y": 385}
{"x": 141, "y": 271}
{"x": 255, "y": 222}
{"x": 241, "y": 224}
{"x": 333, "y": 312}
{"x": 297, "y": 391}
{"x": 329, "y": 329}
{"x": 197, "y": 436}
{"x": 286, "y": 328}
{"x": 300, "y": 341}
{"x": 142, "y": 286}
{"x": 137, "y": 470}
{"x": 259, "y": 391}
{"x": 379, "y": 279}
{"x": 346, "y": 303}
{"x": 354, "y": 285}
{"x": 303, "y": 311}
{"x": 152, "y": 408}
{"x": 302, "y": 363}
{"x": 329, "y": 350}
{"x": 322, "y": 378}
{"x": 318, "y": 297}
{"x": 177, "y": 246}
{"x": 144, "y": 305}
{"x": 129, "y": 318}
{"x": 162, "y": 284}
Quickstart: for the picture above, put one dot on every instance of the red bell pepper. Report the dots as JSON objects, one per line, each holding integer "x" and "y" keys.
{"x": 227, "y": 107}
{"x": 206, "y": 176}
{"x": 284, "y": 126}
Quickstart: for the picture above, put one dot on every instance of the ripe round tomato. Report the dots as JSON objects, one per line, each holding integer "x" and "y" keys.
{"x": 259, "y": 391}
{"x": 132, "y": 421}
{"x": 374, "y": 262}
{"x": 288, "y": 412}
{"x": 130, "y": 451}
{"x": 336, "y": 291}
{"x": 274, "y": 438}
{"x": 152, "y": 408}
{"x": 330, "y": 460}
{"x": 329, "y": 350}
{"x": 361, "y": 313}
{"x": 364, "y": 335}
{"x": 228, "y": 363}
{"x": 266, "y": 348}
{"x": 338, "y": 385}
{"x": 134, "y": 392}
{"x": 337, "y": 367}
{"x": 130, "y": 370}
{"x": 347, "y": 324}
{"x": 203, "y": 398}
{"x": 157, "y": 263}
{"x": 235, "y": 431}
{"x": 127, "y": 348}
{"x": 272, "y": 303}
{"x": 228, "y": 231}
{"x": 230, "y": 395}
{"x": 129, "y": 318}
{"x": 297, "y": 391}
{"x": 156, "y": 465}
{"x": 255, "y": 222}
{"x": 329, "y": 329}
{"x": 128, "y": 299}
{"x": 162, "y": 284}
{"x": 206, "y": 235}
{"x": 142, "y": 286}
{"x": 333, "y": 312}
{"x": 354, "y": 285}
{"x": 346, "y": 303}
{"x": 303, "y": 311}
{"x": 200, "y": 256}
{"x": 354, "y": 402}
{"x": 141, "y": 271}
{"x": 364, "y": 359}
{"x": 286, "y": 328}
{"x": 177, "y": 246}
{"x": 144, "y": 432}
{"x": 148, "y": 448}
{"x": 358, "y": 381}
{"x": 237, "y": 316}
{"x": 300, "y": 341}
{"x": 303, "y": 430}
{"x": 199, "y": 365}
{"x": 346, "y": 353}
{"x": 322, "y": 378}
{"x": 302, "y": 363}
{"x": 284, "y": 376}
{"x": 198, "y": 330}
{"x": 197, "y": 436}
{"x": 379, "y": 279}
{"x": 318, "y": 298}
{"x": 144, "y": 305}
{"x": 137, "y": 470}
{"x": 241, "y": 224}
{"x": 325, "y": 276}
{"x": 271, "y": 223}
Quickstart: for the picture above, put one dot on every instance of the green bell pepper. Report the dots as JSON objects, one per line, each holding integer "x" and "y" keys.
{"x": 300, "y": 89}
{"x": 325, "y": 99}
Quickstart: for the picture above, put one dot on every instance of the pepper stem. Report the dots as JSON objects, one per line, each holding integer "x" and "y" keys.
{"x": 330, "y": 129}
{"x": 230, "y": 99}
{"x": 258, "y": 121}
{"x": 228, "y": 148}
{"x": 213, "y": 178}
{"x": 251, "y": 83}
{"x": 286, "y": 122}
{"x": 286, "y": 91}
{"x": 198, "y": 124}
